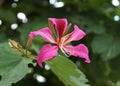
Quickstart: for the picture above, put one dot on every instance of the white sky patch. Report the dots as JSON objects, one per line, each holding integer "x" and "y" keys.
{"x": 59, "y": 4}
{"x": 16, "y": 0}
{"x": 40, "y": 78}
{"x": 56, "y": 4}
{"x": 0, "y": 22}
{"x": 14, "y": 5}
{"x": 47, "y": 67}
{"x": 22, "y": 17}
{"x": 52, "y": 1}
{"x": 14, "y": 26}
{"x": 116, "y": 18}
{"x": 115, "y": 2}
{"x": 25, "y": 20}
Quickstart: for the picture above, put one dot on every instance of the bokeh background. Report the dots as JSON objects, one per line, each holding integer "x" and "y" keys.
{"x": 100, "y": 19}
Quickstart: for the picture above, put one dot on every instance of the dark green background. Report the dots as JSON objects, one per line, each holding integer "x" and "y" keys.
{"x": 95, "y": 17}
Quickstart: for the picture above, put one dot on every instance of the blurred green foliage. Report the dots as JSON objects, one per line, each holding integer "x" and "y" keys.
{"x": 95, "y": 17}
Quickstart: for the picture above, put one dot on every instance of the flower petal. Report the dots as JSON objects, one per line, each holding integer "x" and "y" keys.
{"x": 76, "y": 35}
{"x": 79, "y": 51}
{"x": 47, "y": 52}
{"x": 60, "y": 25}
{"x": 45, "y": 33}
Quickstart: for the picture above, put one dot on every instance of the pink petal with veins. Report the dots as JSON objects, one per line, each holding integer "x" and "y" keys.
{"x": 76, "y": 35}
{"x": 60, "y": 25}
{"x": 45, "y": 33}
{"x": 80, "y": 51}
{"x": 47, "y": 52}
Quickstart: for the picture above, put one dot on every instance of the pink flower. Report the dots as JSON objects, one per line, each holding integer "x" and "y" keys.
{"x": 58, "y": 29}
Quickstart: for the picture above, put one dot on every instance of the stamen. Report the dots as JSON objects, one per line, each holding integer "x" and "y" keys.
{"x": 68, "y": 27}
{"x": 52, "y": 28}
{"x": 66, "y": 53}
{"x": 55, "y": 33}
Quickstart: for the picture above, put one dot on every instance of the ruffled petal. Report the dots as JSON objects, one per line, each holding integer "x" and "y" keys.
{"x": 60, "y": 25}
{"x": 45, "y": 33}
{"x": 47, "y": 52}
{"x": 76, "y": 35}
{"x": 79, "y": 51}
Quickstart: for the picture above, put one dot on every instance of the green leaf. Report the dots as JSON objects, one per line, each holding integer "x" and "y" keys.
{"x": 107, "y": 46}
{"x": 67, "y": 71}
{"x": 13, "y": 66}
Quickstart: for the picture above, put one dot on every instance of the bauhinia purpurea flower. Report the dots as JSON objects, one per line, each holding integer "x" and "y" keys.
{"x": 55, "y": 34}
